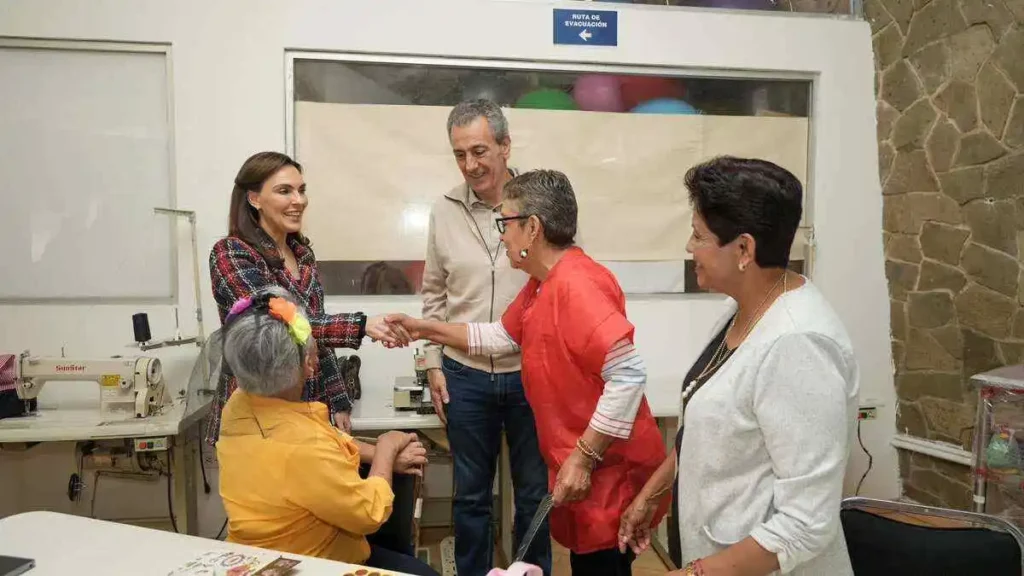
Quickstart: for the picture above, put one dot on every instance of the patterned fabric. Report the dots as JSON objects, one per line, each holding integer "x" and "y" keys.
{"x": 7, "y": 381}
{"x": 238, "y": 270}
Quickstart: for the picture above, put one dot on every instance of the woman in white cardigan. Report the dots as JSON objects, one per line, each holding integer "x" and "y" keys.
{"x": 769, "y": 409}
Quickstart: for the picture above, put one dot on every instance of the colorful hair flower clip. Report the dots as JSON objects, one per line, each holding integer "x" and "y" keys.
{"x": 287, "y": 312}
{"x": 238, "y": 307}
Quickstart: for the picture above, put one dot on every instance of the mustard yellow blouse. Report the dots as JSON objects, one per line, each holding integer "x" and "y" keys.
{"x": 290, "y": 481}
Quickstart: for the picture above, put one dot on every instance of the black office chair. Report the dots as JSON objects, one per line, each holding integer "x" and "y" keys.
{"x": 880, "y": 545}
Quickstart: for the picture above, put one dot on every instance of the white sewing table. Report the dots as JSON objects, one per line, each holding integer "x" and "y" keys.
{"x": 176, "y": 422}
{"x": 62, "y": 544}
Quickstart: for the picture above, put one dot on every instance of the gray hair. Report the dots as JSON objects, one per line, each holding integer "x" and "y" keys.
{"x": 548, "y": 195}
{"x": 465, "y": 112}
{"x": 261, "y": 353}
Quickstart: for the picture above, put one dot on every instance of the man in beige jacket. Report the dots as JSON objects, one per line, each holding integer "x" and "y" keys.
{"x": 467, "y": 278}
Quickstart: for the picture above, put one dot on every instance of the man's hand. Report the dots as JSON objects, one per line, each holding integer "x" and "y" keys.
{"x": 411, "y": 459}
{"x": 391, "y": 335}
{"x": 573, "y": 481}
{"x": 438, "y": 392}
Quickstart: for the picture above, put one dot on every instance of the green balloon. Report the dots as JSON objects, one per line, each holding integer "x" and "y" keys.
{"x": 547, "y": 99}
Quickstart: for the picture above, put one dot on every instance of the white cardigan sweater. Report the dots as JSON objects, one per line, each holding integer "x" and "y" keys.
{"x": 767, "y": 438}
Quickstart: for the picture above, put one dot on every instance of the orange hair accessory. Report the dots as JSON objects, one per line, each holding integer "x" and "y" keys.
{"x": 288, "y": 313}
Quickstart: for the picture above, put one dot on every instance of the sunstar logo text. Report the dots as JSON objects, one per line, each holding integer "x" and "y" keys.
{"x": 70, "y": 368}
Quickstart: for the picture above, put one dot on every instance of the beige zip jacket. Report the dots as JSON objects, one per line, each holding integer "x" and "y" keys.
{"x": 467, "y": 276}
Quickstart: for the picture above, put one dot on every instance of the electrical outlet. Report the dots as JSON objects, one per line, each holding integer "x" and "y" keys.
{"x": 867, "y": 413}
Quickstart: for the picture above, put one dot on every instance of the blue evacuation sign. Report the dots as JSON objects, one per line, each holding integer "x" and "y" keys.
{"x": 586, "y": 27}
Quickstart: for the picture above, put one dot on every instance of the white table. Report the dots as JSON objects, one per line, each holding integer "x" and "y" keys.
{"x": 62, "y": 424}
{"x": 397, "y": 421}
{"x": 62, "y": 544}
{"x": 177, "y": 422}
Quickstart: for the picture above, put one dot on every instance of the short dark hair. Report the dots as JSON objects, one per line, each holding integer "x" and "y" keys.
{"x": 548, "y": 195}
{"x": 738, "y": 196}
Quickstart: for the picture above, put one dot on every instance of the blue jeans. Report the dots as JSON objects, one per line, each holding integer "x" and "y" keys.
{"x": 481, "y": 404}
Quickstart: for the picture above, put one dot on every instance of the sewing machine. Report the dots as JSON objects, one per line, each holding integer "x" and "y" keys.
{"x": 135, "y": 381}
{"x": 413, "y": 394}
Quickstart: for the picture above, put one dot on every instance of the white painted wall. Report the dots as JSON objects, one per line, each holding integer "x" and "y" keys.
{"x": 229, "y": 101}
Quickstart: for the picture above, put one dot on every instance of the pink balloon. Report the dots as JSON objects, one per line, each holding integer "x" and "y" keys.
{"x": 598, "y": 93}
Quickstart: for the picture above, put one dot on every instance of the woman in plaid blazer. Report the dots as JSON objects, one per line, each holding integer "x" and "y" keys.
{"x": 264, "y": 247}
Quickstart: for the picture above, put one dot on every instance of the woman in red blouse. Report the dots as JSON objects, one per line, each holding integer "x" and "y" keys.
{"x": 265, "y": 247}
{"x": 582, "y": 376}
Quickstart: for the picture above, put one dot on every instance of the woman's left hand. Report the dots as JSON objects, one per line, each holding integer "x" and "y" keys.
{"x": 343, "y": 421}
{"x": 573, "y": 481}
{"x": 635, "y": 525}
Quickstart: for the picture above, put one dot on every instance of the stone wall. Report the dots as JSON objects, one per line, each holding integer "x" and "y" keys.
{"x": 950, "y": 86}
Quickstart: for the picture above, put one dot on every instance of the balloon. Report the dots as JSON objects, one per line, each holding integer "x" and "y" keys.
{"x": 547, "y": 99}
{"x": 598, "y": 93}
{"x": 665, "y": 106}
{"x": 637, "y": 89}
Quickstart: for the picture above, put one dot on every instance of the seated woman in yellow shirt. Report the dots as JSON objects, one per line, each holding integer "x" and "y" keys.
{"x": 289, "y": 479}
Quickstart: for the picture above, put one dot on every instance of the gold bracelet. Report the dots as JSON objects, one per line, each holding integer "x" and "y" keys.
{"x": 587, "y": 450}
{"x": 694, "y": 568}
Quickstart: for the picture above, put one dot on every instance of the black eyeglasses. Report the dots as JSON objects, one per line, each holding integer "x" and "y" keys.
{"x": 500, "y": 222}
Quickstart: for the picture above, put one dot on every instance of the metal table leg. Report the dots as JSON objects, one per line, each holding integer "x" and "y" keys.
{"x": 184, "y": 455}
{"x": 981, "y": 432}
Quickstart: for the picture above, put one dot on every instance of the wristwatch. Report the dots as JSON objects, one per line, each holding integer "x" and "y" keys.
{"x": 362, "y": 324}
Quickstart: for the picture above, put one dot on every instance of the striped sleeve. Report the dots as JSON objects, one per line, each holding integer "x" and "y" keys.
{"x": 490, "y": 338}
{"x": 625, "y": 378}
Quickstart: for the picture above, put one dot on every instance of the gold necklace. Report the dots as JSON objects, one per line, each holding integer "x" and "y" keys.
{"x": 758, "y": 312}
{"x": 718, "y": 358}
